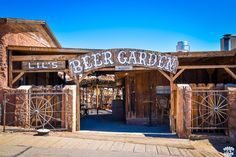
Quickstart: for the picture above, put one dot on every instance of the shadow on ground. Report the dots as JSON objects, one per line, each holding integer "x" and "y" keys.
{"x": 105, "y": 123}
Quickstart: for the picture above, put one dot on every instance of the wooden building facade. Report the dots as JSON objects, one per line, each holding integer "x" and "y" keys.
{"x": 31, "y": 55}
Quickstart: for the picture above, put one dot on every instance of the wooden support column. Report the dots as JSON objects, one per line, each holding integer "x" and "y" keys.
{"x": 78, "y": 100}
{"x": 172, "y": 104}
{"x": 101, "y": 95}
{"x": 77, "y": 106}
{"x": 10, "y": 70}
{"x": 97, "y": 103}
{"x": 171, "y": 78}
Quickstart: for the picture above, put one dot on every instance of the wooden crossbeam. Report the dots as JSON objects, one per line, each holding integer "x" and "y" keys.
{"x": 178, "y": 73}
{"x": 17, "y": 77}
{"x": 43, "y": 57}
{"x": 230, "y": 72}
{"x": 165, "y": 74}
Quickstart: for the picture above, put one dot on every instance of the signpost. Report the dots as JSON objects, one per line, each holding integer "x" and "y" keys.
{"x": 122, "y": 60}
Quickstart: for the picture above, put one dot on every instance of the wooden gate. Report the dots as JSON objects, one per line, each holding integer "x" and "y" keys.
{"x": 209, "y": 111}
{"x": 42, "y": 107}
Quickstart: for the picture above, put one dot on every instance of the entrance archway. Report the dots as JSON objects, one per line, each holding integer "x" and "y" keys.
{"x": 122, "y": 60}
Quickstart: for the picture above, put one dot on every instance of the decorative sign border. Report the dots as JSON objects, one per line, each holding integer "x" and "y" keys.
{"x": 122, "y": 57}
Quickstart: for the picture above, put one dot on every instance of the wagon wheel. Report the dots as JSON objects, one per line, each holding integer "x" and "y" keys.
{"x": 161, "y": 106}
{"x": 41, "y": 112}
{"x": 215, "y": 109}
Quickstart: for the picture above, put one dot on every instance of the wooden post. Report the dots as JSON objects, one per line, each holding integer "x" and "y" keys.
{"x": 101, "y": 95}
{"x": 47, "y": 79}
{"x": 10, "y": 73}
{"x": 77, "y": 106}
{"x": 97, "y": 97}
{"x": 172, "y": 104}
{"x": 78, "y": 100}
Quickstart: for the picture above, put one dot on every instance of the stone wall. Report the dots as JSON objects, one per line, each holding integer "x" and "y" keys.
{"x": 20, "y": 34}
{"x": 232, "y": 114}
{"x": 16, "y": 106}
{"x": 70, "y": 104}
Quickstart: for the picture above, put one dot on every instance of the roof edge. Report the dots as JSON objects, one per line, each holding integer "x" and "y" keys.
{"x": 39, "y": 22}
{"x": 18, "y": 20}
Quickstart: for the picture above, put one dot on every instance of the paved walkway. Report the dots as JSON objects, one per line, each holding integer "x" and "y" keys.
{"x": 19, "y": 144}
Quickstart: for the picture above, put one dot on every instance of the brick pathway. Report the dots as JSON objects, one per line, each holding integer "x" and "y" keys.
{"x": 8, "y": 140}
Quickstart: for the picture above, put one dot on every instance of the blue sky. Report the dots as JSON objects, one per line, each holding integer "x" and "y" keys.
{"x": 145, "y": 24}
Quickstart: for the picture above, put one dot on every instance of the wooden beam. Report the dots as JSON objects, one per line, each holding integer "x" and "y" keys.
{"x": 165, "y": 74}
{"x": 43, "y": 57}
{"x": 10, "y": 70}
{"x": 40, "y": 71}
{"x": 40, "y": 50}
{"x": 206, "y": 54}
{"x": 206, "y": 66}
{"x": 178, "y": 73}
{"x": 17, "y": 77}
{"x": 230, "y": 72}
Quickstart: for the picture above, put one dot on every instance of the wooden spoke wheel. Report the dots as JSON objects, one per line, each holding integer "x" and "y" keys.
{"x": 41, "y": 111}
{"x": 214, "y": 109}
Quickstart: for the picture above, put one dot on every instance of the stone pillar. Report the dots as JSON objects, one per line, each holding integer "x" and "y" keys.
{"x": 70, "y": 114}
{"x": 232, "y": 114}
{"x": 183, "y": 110}
{"x": 22, "y": 105}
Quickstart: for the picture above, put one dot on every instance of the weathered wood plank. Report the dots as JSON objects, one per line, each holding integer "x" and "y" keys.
{"x": 40, "y": 71}
{"x": 47, "y": 50}
{"x": 43, "y": 57}
{"x": 205, "y": 66}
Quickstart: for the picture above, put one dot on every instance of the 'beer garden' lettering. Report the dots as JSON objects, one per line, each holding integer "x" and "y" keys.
{"x": 93, "y": 61}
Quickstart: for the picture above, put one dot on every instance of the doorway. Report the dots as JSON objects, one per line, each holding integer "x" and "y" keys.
{"x": 132, "y": 102}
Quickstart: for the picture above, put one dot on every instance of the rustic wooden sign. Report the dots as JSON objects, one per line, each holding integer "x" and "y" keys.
{"x": 43, "y": 65}
{"x": 122, "y": 58}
